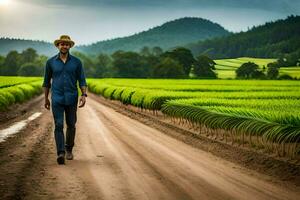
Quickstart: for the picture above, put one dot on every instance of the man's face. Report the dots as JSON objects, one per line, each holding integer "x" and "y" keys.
{"x": 64, "y": 47}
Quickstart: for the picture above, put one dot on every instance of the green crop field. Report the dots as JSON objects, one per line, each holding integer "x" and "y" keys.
{"x": 225, "y": 68}
{"x": 260, "y": 113}
{"x": 18, "y": 89}
{"x": 7, "y": 81}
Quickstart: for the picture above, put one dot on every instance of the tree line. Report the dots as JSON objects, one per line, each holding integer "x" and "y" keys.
{"x": 26, "y": 63}
{"x": 147, "y": 63}
{"x": 250, "y": 70}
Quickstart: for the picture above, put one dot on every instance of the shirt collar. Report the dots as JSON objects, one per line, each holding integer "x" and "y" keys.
{"x": 68, "y": 58}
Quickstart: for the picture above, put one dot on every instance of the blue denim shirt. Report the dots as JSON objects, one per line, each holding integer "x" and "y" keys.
{"x": 64, "y": 79}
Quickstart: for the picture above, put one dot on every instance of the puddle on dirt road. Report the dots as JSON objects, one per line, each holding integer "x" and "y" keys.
{"x": 16, "y": 127}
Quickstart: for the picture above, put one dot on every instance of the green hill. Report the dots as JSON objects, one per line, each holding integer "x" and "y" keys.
{"x": 270, "y": 40}
{"x": 42, "y": 47}
{"x": 173, "y": 33}
{"x": 170, "y": 34}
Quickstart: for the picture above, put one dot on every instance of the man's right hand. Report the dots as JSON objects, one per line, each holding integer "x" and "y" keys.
{"x": 47, "y": 104}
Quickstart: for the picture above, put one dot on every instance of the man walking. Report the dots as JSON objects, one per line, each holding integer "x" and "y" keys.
{"x": 64, "y": 70}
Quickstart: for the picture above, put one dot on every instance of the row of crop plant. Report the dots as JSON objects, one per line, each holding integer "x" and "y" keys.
{"x": 264, "y": 114}
{"x": 8, "y": 81}
{"x": 274, "y": 131}
{"x": 19, "y": 93}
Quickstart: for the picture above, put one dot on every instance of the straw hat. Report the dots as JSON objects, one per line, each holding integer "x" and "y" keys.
{"x": 64, "y": 38}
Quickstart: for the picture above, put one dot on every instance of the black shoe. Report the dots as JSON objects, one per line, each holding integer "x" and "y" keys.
{"x": 61, "y": 159}
{"x": 69, "y": 155}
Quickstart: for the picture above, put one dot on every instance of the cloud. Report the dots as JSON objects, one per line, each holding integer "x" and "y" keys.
{"x": 286, "y": 6}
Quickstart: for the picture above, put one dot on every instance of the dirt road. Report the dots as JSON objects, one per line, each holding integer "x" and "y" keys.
{"x": 116, "y": 157}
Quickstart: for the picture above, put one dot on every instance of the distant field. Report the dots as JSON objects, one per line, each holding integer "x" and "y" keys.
{"x": 226, "y": 67}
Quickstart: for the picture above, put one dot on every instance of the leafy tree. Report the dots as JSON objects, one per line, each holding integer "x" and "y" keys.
{"x": 145, "y": 51}
{"x": 157, "y": 51}
{"x": 203, "y": 67}
{"x": 128, "y": 64}
{"x": 11, "y": 64}
{"x": 289, "y": 60}
{"x": 282, "y": 61}
{"x": 183, "y": 56}
{"x": 249, "y": 70}
{"x": 273, "y": 70}
{"x": 149, "y": 58}
{"x": 2, "y": 58}
{"x": 28, "y": 55}
{"x": 87, "y": 62}
{"x": 30, "y": 69}
{"x": 104, "y": 66}
{"x": 168, "y": 68}
{"x": 41, "y": 60}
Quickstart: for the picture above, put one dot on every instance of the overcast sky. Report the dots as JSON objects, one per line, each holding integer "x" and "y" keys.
{"x": 89, "y": 21}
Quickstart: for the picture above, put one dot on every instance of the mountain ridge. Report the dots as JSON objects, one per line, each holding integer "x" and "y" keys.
{"x": 191, "y": 29}
{"x": 270, "y": 40}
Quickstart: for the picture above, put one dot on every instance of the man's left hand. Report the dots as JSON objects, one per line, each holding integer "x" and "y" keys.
{"x": 82, "y": 101}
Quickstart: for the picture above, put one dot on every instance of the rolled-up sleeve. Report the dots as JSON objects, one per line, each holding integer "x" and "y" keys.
{"x": 47, "y": 75}
{"x": 81, "y": 75}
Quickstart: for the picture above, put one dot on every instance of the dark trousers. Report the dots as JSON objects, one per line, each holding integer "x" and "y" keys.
{"x": 58, "y": 111}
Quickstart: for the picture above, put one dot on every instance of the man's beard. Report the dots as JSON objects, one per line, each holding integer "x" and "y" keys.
{"x": 64, "y": 53}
